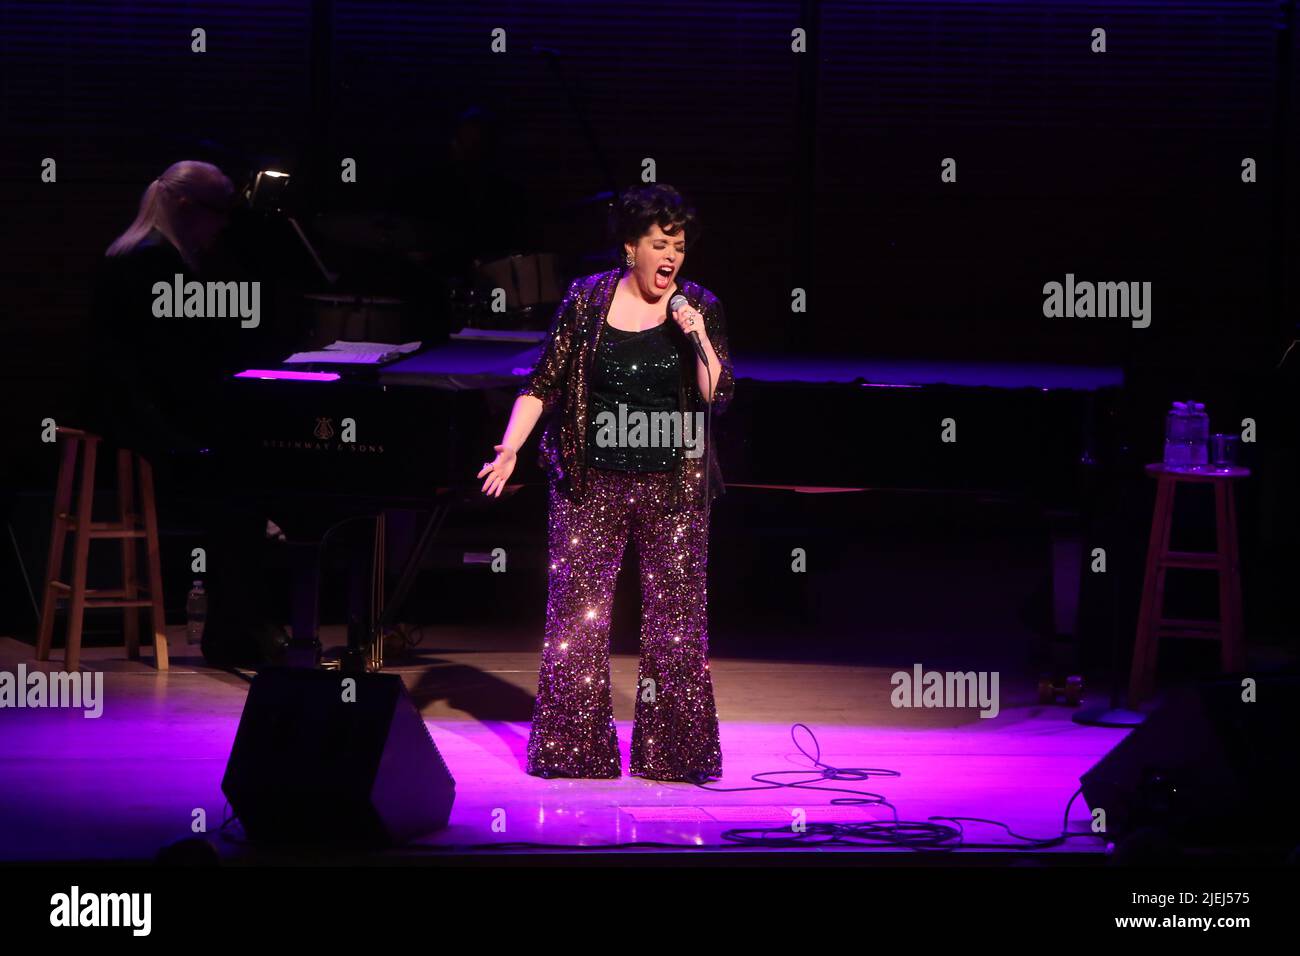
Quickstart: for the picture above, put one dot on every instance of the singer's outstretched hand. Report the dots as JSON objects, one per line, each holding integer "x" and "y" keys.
{"x": 498, "y": 470}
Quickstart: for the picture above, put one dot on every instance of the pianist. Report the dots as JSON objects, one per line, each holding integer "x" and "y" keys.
{"x": 155, "y": 390}
{"x": 615, "y": 341}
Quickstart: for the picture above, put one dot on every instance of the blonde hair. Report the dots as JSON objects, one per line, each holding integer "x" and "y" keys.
{"x": 158, "y": 206}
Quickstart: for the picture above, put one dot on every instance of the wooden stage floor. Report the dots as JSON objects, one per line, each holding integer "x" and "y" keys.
{"x": 123, "y": 785}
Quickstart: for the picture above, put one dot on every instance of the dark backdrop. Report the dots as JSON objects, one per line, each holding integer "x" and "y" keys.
{"x": 818, "y": 171}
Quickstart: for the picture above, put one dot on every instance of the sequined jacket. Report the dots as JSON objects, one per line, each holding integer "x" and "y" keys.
{"x": 560, "y": 380}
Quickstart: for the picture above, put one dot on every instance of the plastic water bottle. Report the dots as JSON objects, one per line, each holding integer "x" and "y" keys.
{"x": 1177, "y": 450}
{"x": 1198, "y": 439}
{"x": 196, "y": 613}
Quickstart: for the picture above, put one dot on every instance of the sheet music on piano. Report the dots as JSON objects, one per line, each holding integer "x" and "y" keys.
{"x": 354, "y": 353}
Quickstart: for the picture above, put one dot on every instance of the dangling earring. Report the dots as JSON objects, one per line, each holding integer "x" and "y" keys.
{"x": 630, "y": 260}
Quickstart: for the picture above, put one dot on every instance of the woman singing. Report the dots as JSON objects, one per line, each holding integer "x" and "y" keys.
{"x": 611, "y": 345}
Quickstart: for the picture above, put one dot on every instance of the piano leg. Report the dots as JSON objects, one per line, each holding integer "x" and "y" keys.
{"x": 304, "y": 649}
{"x": 411, "y": 567}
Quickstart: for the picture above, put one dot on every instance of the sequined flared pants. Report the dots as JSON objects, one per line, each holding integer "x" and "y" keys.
{"x": 675, "y": 726}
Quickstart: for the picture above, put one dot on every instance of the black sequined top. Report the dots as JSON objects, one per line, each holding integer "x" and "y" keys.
{"x": 561, "y": 380}
{"x": 634, "y": 402}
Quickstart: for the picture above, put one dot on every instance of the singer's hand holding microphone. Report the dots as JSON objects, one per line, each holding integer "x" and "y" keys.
{"x": 690, "y": 322}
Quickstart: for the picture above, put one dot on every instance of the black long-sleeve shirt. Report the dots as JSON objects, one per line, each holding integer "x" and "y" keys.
{"x": 154, "y": 381}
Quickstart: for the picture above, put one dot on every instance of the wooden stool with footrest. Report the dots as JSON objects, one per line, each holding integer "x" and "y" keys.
{"x": 73, "y": 501}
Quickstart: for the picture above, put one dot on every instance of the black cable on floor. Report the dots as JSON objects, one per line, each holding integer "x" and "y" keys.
{"x": 930, "y": 835}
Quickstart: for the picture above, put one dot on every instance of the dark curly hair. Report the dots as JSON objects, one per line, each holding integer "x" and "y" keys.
{"x": 640, "y": 207}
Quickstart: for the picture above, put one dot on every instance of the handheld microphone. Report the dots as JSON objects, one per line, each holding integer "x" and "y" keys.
{"x": 678, "y": 302}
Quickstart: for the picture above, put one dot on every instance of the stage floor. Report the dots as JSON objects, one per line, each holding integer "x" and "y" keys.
{"x": 123, "y": 785}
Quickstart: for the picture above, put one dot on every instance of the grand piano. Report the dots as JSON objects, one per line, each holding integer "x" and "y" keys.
{"x": 420, "y": 427}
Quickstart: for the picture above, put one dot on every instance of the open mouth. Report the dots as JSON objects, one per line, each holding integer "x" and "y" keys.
{"x": 663, "y": 276}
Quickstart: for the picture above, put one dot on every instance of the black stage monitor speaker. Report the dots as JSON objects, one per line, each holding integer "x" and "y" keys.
{"x": 1208, "y": 764}
{"x": 318, "y": 760}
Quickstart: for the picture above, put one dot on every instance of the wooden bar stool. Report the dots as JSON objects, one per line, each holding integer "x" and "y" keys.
{"x": 1152, "y": 624}
{"x": 72, "y": 516}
